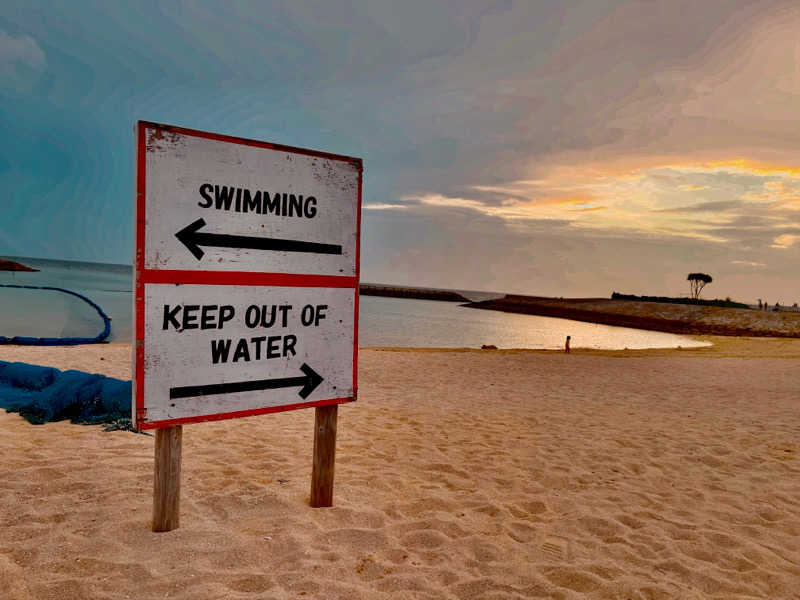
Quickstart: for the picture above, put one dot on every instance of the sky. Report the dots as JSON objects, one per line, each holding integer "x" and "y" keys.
{"x": 559, "y": 148}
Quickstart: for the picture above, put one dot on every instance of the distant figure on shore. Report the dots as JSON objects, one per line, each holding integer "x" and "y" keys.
{"x": 566, "y": 344}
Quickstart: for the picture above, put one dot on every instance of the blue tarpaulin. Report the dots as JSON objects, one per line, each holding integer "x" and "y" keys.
{"x": 42, "y": 394}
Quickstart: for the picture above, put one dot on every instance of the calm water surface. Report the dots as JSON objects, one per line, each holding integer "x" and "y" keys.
{"x": 40, "y": 313}
{"x": 382, "y": 322}
{"x": 428, "y": 323}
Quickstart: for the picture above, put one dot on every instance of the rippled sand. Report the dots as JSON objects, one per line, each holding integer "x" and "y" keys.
{"x": 459, "y": 475}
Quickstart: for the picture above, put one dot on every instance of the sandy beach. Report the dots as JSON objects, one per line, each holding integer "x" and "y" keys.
{"x": 474, "y": 474}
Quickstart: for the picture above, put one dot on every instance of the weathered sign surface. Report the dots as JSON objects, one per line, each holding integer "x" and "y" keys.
{"x": 246, "y": 277}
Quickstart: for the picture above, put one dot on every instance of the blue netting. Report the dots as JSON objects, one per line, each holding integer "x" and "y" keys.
{"x": 62, "y": 341}
{"x": 42, "y": 394}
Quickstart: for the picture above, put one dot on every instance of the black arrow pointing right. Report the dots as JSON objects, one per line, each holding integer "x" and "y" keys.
{"x": 191, "y": 237}
{"x": 309, "y": 381}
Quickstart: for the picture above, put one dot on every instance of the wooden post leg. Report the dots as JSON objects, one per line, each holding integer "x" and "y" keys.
{"x": 324, "y": 456}
{"x": 167, "y": 479}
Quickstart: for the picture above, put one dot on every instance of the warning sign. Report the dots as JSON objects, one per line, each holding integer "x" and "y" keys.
{"x": 246, "y": 278}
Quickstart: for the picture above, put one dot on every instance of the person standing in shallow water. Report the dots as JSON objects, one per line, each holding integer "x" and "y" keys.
{"x": 566, "y": 345}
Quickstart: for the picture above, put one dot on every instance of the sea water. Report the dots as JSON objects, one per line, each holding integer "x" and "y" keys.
{"x": 398, "y": 322}
{"x": 427, "y": 323}
{"x": 45, "y": 313}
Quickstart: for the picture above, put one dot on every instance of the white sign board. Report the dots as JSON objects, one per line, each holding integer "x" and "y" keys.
{"x": 247, "y": 258}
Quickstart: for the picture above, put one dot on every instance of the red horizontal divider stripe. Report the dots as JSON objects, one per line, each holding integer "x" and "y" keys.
{"x": 240, "y": 413}
{"x": 246, "y": 278}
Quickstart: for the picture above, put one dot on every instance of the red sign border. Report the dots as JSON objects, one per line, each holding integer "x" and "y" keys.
{"x": 144, "y": 276}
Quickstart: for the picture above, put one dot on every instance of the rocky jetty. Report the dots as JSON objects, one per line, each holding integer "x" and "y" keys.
{"x": 655, "y": 316}
{"x": 367, "y": 289}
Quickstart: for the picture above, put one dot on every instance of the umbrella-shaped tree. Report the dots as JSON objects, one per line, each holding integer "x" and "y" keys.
{"x": 697, "y": 281}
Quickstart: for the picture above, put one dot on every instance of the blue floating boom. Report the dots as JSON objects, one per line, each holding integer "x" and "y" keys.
{"x": 63, "y": 341}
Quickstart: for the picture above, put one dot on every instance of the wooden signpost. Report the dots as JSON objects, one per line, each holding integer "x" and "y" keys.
{"x": 246, "y": 291}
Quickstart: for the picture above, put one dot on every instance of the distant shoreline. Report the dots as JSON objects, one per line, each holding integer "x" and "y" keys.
{"x": 681, "y": 319}
{"x": 69, "y": 263}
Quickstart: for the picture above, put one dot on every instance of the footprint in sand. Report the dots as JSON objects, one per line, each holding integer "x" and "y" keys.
{"x": 522, "y": 532}
{"x": 555, "y": 548}
{"x": 423, "y": 540}
{"x": 573, "y": 579}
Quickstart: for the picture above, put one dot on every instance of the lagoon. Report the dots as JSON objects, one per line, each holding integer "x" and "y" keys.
{"x": 386, "y": 322}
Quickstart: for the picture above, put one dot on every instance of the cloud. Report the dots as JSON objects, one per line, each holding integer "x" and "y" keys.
{"x": 450, "y": 202}
{"x": 739, "y": 196}
{"x": 384, "y": 206}
{"x": 587, "y": 209}
{"x": 747, "y": 263}
{"x": 516, "y": 208}
{"x": 782, "y": 194}
{"x": 626, "y": 85}
{"x": 717, "y": 206}
{"x": 745, "y": 201}
{"x": 18, "y": 54}
{"x": 786, "y": 240}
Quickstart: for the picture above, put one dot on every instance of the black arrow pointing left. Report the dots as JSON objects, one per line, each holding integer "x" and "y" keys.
{"x": 309, "y": 381}
{"x": 191, "y": 237}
